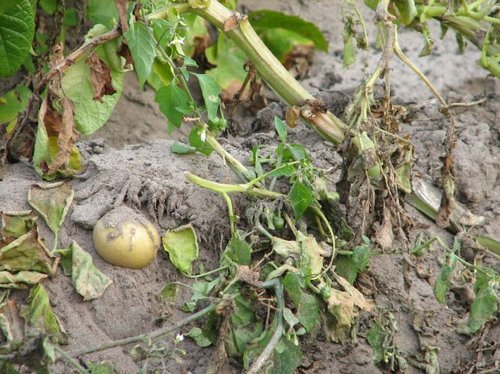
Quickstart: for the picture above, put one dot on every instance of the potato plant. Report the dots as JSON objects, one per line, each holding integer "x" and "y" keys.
{"x": 311, "y": 256}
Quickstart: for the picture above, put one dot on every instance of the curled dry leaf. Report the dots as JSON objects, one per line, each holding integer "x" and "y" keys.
{"x": 100, "y": 77}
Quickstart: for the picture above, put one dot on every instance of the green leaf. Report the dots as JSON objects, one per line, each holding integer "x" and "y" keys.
{"x": 239, "y": 250}
{"x": 102, "y": 11}
{"x": 142, "y": 47}
{"x": 361, "y": 257}
{"x": 100, "y": 367}
{"x": 346, "y": 268}
{"x": 285, "y": 44}
{"x": 349, "y": 52}
{"x": 376, "y": 338}
{"x": 169, "y": 291}
{"x": 280, "y": 127}
{"x": 443, "y": 282}
{"x": 173, "y": 103}
{"x": 407, "y": 11}
{"x": 52, "y": 202}
{"x": 48, "y": 6}
{"x": 229, "y": 61}
{"x": 301, "y": 198}
{"x": 294, "y": 152}
{"x": 90, "y": 114}
{"x": 308, "y": 311}
{"x": 86, "y": 278}
{"x": 197, "y": 138}
{"x": 287, "y": 357}
{"x": 210, "y": 91}
{"x": 181, "y": 244}
{"x": 263, "y": 20}
{"x": 17, "y": 28}
{"x": 485, "y": 304}
{"x": 13, "y": 103}
{"x": 197, "y": 335}
{"x": 181, "y": 149}
{"x": 39, "y": 315}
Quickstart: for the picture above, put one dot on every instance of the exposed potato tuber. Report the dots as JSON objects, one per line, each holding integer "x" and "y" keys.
{"x": 124, "y": 238}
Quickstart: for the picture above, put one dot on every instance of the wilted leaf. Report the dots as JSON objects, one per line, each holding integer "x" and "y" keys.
{"x": 280, "y": 127}
{"x": 301, "y": 198}
{"x": 197, "y": 335}
{"x": 40, "y": 316}
{"x": 54, "y": 148}
{"x": 52, "y": 202}
{"x": 26, "y": 253}
{"x": 11, "y": 325}
{"x": 17, "y": 27}
{"x": 100, "y": 77}
{"x": 443, "y": 283}
{"x": 287, "y": 248}
{"x": 21, "y": 280}
{"x": 485, "y": 304}
{"x": 142, "y": 46}
{"x": 86, "y": 278}
{"x": 312, "y": 254}
{"x": 181, "y": 244}
{"x": 15, "y": 225}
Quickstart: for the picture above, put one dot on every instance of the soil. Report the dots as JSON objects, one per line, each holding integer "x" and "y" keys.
{"x": 129, "y": 162}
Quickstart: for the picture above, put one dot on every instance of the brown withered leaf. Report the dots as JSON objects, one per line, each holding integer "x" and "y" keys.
{"x": 122, "y": 7}
{"x": 124, "y": 51}
{"x": 65, "y": 138}
{"x": 100, "y": 77}
{"x": 60, "y": 125}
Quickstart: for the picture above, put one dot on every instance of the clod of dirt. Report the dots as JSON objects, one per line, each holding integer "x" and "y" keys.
{"x": 126, "y": 239}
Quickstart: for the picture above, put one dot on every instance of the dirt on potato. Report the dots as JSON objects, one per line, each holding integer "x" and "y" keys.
{"x": 128, "y": 162}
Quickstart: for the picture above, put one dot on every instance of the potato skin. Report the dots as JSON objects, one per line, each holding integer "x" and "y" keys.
{"x": 126, "y": 239}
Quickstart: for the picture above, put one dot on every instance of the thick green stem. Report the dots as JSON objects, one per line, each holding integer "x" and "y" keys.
{"x": 271, "y": 70}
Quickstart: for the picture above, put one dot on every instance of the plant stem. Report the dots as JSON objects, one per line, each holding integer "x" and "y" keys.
{"x": 70, "y": 359}
{"x": 271, "y": 70}
{"x": 153, "y": 335}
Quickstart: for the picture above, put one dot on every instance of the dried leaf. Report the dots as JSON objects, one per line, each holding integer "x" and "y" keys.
{"x": 15, "y": 225}
{"x": 52, "y": 202}
{"x": 11, "y": 325}
{"x": 86, "y": 278}
{"x": 100, "y": 77}
{"x": 65, "y": 137}
{"x": 21, "y": 280}
{"x": 27, "y": 253}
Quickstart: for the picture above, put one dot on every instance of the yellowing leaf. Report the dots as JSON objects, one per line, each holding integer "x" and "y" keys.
{"x": 181, "y": 244}
{"x": 21, "y": 280}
